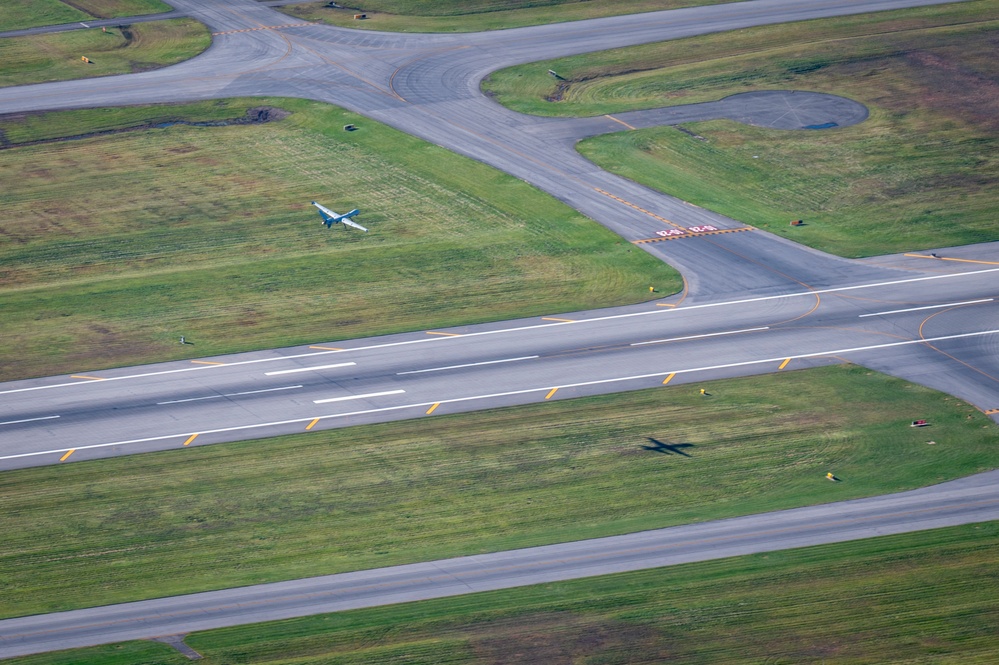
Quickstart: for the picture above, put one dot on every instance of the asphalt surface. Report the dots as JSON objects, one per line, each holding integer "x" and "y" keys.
{"x": 755, "y": 303}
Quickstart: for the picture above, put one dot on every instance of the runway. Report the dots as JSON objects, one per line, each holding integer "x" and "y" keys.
{"x": 755, "y": 304}
{"x": 917, "y": 321}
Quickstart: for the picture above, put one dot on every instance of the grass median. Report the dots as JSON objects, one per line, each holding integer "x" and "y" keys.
{"x": 472, "y": 16}
{"x": 127, "y": 49}
{"x": 918, "y": 597}
{"x": 919, "y": 173}
{"x": 17, "y": 14}
{"x": 116, "y": 245}
{"x": 189, "y": 520}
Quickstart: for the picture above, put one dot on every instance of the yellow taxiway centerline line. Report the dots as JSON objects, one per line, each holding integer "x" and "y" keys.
{"x": 81, "y": 376}
{"x": 433, "y": 408}
{"x": 664, "y": 304}
{"x": 620, "y": 121}
{"x": 552, "y": 318}
{"x": 206, "y": 362}
{"x": 312, "y": 424}
{"x": 945, "y": 258}
{"x": 190, "y": 439}
{"x": 434, "y": 332}
{"x": 68, "y": 453}
{"x": 326, "y": 348}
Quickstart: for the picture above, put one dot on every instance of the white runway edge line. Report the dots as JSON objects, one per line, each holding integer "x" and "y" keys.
{"x": 427, "y": 340}
{"x": 307, "y": 369}
{"x": 238, "y": 428}
{"x": 28, "y": 420}
{"x": 350, "y": 397}
{"x": 717, "y": 334}
{"x": 248, "y": 392}
{"x": 487, "y": 362}
{"x": 917, "y": 309}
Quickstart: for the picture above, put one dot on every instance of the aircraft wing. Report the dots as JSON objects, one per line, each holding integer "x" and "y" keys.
{"x": 349, "y": 222}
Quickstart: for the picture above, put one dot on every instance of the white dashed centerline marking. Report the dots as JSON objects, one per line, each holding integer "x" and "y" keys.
{"x": 917, "y": 309}
{"x": 487, "y": 362}
{"x": 248, "y": 392}
{"x": 27, "y": 420}
{"x": 717, "y": 334}
{"x": 348, "y": 397}
{"x": 307, "y": 369}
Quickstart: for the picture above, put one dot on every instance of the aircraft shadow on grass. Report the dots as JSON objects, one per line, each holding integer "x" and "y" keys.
{"x": 667, "y": 448}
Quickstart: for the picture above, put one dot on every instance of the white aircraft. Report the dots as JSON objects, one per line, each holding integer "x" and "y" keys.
{"x": 330, "y": 218}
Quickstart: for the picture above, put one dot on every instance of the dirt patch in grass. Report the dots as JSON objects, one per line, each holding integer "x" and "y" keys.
{"x": 564, "y": 638}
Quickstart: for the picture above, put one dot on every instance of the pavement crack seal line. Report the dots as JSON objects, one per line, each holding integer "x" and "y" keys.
{"x": 438, "y": 337}
{"x": 547, "y": 389}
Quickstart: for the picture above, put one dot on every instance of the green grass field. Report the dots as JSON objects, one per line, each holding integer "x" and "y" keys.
{"x": 112, "y": 247}
{"x": 121, "y": 50}
{"x": 18, "y": 14}
{"x": 472, "y": 15}
{"x": 195, "y": 519}
{"x": 919, "y": 173}
{"x": 926, "y": 597}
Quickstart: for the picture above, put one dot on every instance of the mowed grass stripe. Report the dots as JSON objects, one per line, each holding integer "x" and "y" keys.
{"x": 325, "y": 501}
{"x": 116, "y": 245}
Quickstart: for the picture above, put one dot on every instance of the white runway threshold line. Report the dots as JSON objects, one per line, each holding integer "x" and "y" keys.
{"x": 349, "y": 397}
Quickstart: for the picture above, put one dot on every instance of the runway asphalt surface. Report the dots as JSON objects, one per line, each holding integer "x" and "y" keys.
{"x": 755, "y": 303}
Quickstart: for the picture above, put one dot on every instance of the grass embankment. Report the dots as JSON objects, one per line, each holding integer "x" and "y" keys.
{"x": 189, "y": 520}
{"x": 113, "y": 247}
{"x": 921, "y": 597}
{"x": 18, "y": 14}
{"x": 921, "y": 172}
{"x": 472, "y": 15}
{"x": 121, "y": 50}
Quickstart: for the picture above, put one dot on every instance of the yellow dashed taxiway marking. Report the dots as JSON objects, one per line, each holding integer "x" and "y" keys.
{"x": 784, "y": 364}
{"x": 664, "y": 304}
{"x": 433, "y": 408}
{"x": 669, "y": 378}
{"x": 206, "y": 362}
{"x": 550, "y": 393}
{"x": 68, "y": 453}
{"x": 190, "y": 439}
{"x": 326, "y": 348}
{"x": 82, "y": 376}
{"x": 552, "y": 318}
{"x": 311, "y": 425}
{"x": 434, "y": 332}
